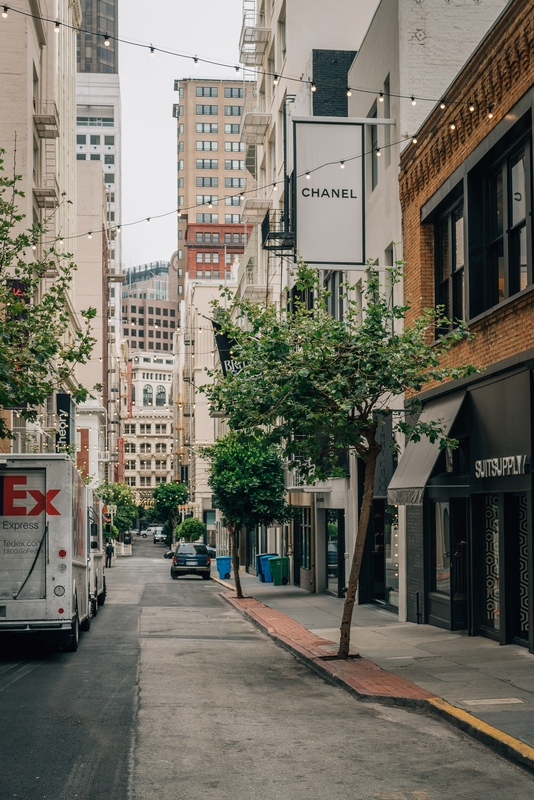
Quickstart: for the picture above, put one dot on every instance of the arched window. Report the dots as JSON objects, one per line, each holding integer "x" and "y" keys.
{"x": 160, "y": 396}
{"x": 133, "y": 393}
{"x": 147, "y": 395}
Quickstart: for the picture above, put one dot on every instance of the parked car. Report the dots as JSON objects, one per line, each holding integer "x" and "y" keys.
{"x": 143, "y": 534}
{"x": 191, "y": 559}
{"x": 211, "y": 551}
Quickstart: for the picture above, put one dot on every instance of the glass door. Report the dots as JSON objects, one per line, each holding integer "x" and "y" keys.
{"x": 335, "y": 551}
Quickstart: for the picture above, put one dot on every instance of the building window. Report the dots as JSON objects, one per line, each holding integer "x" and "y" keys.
{"x": 81, "y": 157}
{"x": 130, "y": 481}
{"x": 210, "y": 182}
{"x": 109, "y": 141}
{"x": 129, "y": 447}
{"x": 145, "y": 447}
{"x": 450, "y": 263}
{"x": 109, "y": 159}
{"x": 206, "y": 199}
{"x": 207, "y": 110}
{"x": 95, "y": 156}
{"x": 232, "y": 218}
{"x": 234, "y": 183}
{"x": 232, "y": 91}
{"x": 231, "y": 127}
{"x": 235, "y": 147}
{"x": 180, "y": 289}
{"x": 147, "y": 395}
{"x": 232, "y": 201}
{"x": 207, "y": 218}
{"x": 133, "y": 399}
{"x": 181, "y": 183}
{"x": 233, "y": 111}
{"x": 161, "y": 447}
{"x": 162, "y": 427}
{"x": 207, "y": 91}
{"x": 145, "y": 480}
{"x": 234, "y": 164}
{"x": 81, "y": 138}
{"x": 94, "y": 140}
{"x": 109, "y": 178}
{"x": 500, "y": 218}
{"x": 199, "y": 258}
{"x": 207, "y": 127}
{"x": 129, "y": 465}
{"x": 207, "y": 163}
{"x": 215, "y": 237}
{"x": 207, "y": 145}
{"x": 180, "y": 164}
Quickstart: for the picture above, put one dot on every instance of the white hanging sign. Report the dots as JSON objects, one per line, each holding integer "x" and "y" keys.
{"x": 329, "y": 192}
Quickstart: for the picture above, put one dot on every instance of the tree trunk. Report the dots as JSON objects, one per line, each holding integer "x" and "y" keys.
{"x": 232, "y": 530}
{"x": 363, "y": 524}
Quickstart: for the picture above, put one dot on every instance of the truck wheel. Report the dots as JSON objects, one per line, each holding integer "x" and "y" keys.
{"x": 86, "y": 624}
{"x": 94, "y": 606}
{"x": 102, "y": 595}
{"x": 72, "y": 646}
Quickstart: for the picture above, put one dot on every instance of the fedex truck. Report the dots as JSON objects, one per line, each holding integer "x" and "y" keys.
{"x": 45, "y": 546}
{"x": 97, "y": 579}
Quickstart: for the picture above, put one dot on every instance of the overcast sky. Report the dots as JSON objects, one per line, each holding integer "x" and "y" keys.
{"x": 209, "y": 28}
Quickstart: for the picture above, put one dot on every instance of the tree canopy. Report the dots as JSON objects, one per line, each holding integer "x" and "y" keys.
{"x": 247, "y": 479}
{"x": 319, "y": 386}
{"x": 121, "y": 496}
{"x": 40, "y": 346}
{"x": 167, "y": 498}
{"x": 191, "y": 529}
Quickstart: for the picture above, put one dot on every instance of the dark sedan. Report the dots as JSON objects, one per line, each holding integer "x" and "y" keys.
{"x": 191, "y": 559}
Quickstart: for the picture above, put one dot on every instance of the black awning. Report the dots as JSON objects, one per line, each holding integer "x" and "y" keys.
{"x": 408, "y": 484}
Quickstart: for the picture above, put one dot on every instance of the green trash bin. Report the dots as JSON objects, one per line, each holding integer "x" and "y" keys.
{"x": 279, "y": 570}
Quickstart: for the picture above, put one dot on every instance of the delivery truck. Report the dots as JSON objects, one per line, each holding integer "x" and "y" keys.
{"x": 49, "y": 520}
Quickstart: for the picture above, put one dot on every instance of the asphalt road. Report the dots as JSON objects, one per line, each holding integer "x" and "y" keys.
{"x": 172, "y": 694}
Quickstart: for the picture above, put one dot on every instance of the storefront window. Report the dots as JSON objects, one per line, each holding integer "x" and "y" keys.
{"x": 305, "y": 532}
{"x": 450, "y": 263}
{"x": 491, "y": 535}
{"x": 442, "y": 576}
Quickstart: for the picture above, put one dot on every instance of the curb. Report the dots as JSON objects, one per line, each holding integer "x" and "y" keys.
{"x": 223, "y": 583}
{"x": 502, "y": 743}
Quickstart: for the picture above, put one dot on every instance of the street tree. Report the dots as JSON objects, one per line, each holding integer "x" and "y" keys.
{"x": 322, "y": 386}
{"x": 40, "y": 346}
{"x": 247, "y": 477}
{"x": 167, "y": 499}
{"x": 191, "y": 529}
{"x": 121, "y": 496}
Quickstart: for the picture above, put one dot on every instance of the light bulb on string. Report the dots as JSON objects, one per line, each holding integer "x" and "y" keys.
{"x": 237, "y": 70}
{"x": 308, "y": 176}
{"x": 275, "y": 187}
{"x": 152, "y": 50}
{"x": 342, "y": 164}
{"x": 90, "y": 235}
{"x": 148, "y": 220}
{"x": 57, "y": 26}
{"x": 195, "y": 61}
{"x": 275, "y": 80}
{"x": 414, "y": 140}
{"x": 378, "y": 152}
{"x": 313, "y": 87}
{"x": 490, "y": 112}
{"x": 381, "y": 97}
{"x": 442, "y": 105}
{"x": 349, "y": 91}
{"x": 414, "y": 101}
{"x": 452, "y": 126}
{"x": 106, "y": 40}
{"x": 471, "y": 106}
{"x": 4, "y": 12}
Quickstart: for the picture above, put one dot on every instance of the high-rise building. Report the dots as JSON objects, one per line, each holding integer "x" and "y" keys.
{"x": 97, "y": 44}
{"x": 149, "y": 314}
{"x": 212, "y": 174}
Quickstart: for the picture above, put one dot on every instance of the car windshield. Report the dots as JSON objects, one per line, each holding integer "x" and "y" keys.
{"x": 192, "y": 549}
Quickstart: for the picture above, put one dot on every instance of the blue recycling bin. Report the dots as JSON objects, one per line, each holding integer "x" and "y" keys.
{"x": 266, "y": 569}
{"x": 259, "y": 571}
{"x": 224, "y": 566}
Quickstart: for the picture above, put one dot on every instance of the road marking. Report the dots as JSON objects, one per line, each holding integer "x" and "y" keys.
{"x": 26, "y": 668}
{"x": 492, "y": 702}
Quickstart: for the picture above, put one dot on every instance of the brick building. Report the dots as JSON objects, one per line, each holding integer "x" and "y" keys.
{"x": 466, "y": 195}
{"x": 212, "y": 249}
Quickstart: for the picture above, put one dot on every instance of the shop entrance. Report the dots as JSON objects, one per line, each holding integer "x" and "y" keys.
{"x": 380, "y": 575}
{"x": 335, "y": 551}
{"x": 447, "y": 602}
{"x": 500, "y": 538}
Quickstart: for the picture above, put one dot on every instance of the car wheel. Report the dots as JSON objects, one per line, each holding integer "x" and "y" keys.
{"x": 206, "y": 576}
{"x": 72, "y": 645}
{"x": 102, "y": 595}
{"x": 174, "y": 575}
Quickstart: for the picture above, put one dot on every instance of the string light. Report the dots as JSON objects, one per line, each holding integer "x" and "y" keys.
{"x": 349, "y": 91}
{"x": 342, "y": 164}
{"x": 90, "y": 235}
{"x": 237, "y": 70}
{"x": 56, "y": 26}
{"x": 414, "y": 140}
{"x": 471, "y": 106}
{"x": 118, "y": 229}
{"x": 195, "y": 61}
{"x": 442, "y": 105}
{"x": 275, "y": 80}
{"x": 313, "y": 87}
{"x": 148, "y": 220}
{"x": 452, "y": 126}
{"x": 152, "y": 50}
{"x": 106, "y": 40}
{"x": 381, "y": 97}
{"x": 490, "y": 112}
{"x": 61, "y": 242}
{"x": 275, "y": 187}
{"x": 4, "y": 12}
{"x": 414, "y": 101}
{"x": 308, "y": 176}
{"x": 378, "y": 151}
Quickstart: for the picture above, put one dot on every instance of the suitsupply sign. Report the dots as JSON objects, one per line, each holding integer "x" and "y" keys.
{"x": 329, "y": 192}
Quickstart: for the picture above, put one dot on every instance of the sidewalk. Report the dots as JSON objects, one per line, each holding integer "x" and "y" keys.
{"x": 482, "y": 688}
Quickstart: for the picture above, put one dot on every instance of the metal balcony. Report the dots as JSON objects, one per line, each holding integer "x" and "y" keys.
{"x": 254, "y": 41}
{"x": 47, "y": 192}
{"x": 275, "y": 233}
{"x": 255, "y": 209}
{"x": 254, "y": 127}
{"x": 46, "y": 119}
